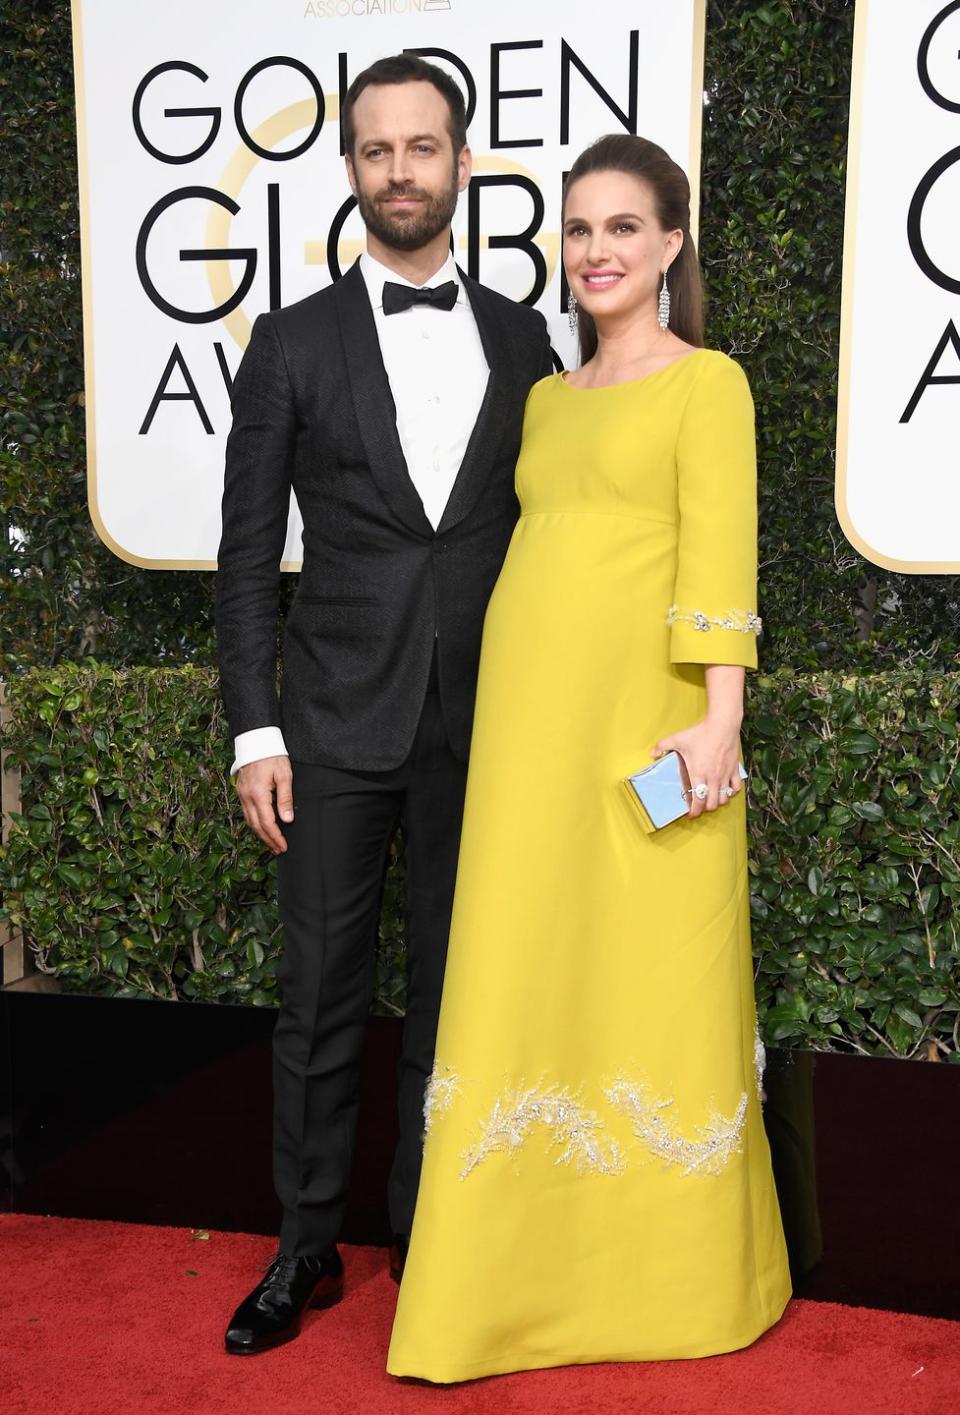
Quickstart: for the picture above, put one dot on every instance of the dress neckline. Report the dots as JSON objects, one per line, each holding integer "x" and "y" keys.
{"x": 632, "y": 382}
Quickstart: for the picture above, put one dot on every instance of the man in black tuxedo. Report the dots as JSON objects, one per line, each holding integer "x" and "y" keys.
{"x": 392, "y": 404}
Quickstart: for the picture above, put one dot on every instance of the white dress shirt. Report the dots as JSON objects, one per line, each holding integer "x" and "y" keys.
{"x": 438, "y": 375}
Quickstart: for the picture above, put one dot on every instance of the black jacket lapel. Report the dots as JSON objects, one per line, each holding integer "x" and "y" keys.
{"x": 373, "y": 402}
{"x": 492, "y": 418}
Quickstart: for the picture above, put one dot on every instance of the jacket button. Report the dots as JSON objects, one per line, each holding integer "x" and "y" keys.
{"x": 440, "y": 547}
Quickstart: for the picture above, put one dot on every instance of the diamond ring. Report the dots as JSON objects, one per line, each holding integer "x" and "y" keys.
{"x": 701, "y": 791}
{"x": 726, "y": 792}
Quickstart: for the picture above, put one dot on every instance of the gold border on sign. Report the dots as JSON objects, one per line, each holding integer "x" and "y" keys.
{"x": 851, "y": 212}
{"x": 698, "y": 45}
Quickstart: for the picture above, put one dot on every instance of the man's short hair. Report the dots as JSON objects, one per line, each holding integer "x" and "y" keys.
{"x": 406, "y": 69}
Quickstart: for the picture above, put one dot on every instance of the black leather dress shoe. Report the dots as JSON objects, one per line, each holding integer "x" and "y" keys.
{"x": 272, "y": 1313}
{"x": 398, "y": 1255}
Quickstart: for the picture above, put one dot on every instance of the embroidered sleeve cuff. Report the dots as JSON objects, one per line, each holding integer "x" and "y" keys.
{"x": 698, "y": 637}
{"x": 253, "y": 746}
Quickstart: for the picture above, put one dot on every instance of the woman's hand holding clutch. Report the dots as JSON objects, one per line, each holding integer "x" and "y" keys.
{"x": 711, "y": 752}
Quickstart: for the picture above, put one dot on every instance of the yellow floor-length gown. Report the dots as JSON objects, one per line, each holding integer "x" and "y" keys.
{"x": 597, "y": 1182}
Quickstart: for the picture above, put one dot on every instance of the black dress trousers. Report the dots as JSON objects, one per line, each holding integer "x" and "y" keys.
{"x": 330, "y": 883}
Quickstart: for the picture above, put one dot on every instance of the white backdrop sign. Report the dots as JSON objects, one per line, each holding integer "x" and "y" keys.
{"x": 212, "y": 188}
{"x": 898, "y": 446}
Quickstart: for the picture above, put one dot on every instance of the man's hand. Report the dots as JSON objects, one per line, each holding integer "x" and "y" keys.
{"x": 258, "y": 784}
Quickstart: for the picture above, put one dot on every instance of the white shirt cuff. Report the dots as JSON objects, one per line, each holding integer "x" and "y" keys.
{"x": 255, "y": 745}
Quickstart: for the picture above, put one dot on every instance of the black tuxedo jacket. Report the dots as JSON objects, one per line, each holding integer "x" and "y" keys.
{"x": 312, "y": 410}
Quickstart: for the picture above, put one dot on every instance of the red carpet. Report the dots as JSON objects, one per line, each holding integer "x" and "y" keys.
{"x": 118, "y": 1319}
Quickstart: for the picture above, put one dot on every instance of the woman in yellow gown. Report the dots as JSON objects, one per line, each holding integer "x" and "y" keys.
{"x": 596, "y": 1181}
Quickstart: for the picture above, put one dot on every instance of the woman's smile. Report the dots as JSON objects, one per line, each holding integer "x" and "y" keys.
{"x": 601, "y": 279}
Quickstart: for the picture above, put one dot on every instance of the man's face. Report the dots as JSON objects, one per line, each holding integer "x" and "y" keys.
{"x": 403, "y": 172}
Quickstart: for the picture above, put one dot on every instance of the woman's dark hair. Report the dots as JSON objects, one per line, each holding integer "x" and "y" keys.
{"x": 406, "y": 69}
{"x": 621, "y": 152}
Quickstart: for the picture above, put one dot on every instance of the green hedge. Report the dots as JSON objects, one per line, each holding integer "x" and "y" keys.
{"x": 131, "y": 873}
{"x": 774, "y": 148}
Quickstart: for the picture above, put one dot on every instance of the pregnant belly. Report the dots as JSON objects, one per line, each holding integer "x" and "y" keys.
{"x": 576, "y": 647}
{"x": 577, "y": 574}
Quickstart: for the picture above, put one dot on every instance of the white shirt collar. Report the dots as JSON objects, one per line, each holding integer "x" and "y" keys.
{"x": 375, "y": 273}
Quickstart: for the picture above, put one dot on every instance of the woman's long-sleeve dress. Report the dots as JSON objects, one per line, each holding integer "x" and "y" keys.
{"x": 597, "y": 1182}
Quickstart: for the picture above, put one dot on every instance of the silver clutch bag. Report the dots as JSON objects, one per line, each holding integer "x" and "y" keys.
{"x": 659, "y": 792}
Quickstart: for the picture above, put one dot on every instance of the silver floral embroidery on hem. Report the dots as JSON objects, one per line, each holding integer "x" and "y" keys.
{"x": 441, "y": 1088}
{"x": 576, "y": 1131}
{"x": 715, "y": 1142}
{"x": 741, "y": 621}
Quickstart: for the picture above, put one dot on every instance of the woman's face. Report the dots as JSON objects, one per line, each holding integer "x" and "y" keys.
{"x": 614, "y": 248}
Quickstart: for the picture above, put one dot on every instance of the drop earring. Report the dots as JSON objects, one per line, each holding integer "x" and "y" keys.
{"x": 663, "y": 305}
{"x": 572, "y": 313}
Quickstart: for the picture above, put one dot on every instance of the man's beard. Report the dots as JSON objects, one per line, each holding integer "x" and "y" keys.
{"x": 407, "y": 230}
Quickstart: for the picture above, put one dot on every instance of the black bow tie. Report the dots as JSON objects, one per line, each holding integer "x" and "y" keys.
{"x": 404, "y": 297}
